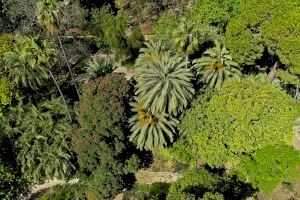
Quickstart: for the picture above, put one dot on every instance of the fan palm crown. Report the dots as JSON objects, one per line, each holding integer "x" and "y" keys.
{"x": 164, "y": 85}
{"x": 30, "y": 61}
{"x": 49, "y": 13}
{"x": 215, "y": 66}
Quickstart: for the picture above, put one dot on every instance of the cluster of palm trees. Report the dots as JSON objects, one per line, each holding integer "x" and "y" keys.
{"x": 164, "y": 79}
{"x": 32, "y": 60}
{"x": 45, "y": 151}
{"x": 164, "y": 87}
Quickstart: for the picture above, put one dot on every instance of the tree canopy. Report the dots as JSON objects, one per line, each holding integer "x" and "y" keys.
{"x": 242, "y": 117}
{"x": 265, "y": 26}
{"x": 270, "y": 166}
{"x": 99, "y": 92}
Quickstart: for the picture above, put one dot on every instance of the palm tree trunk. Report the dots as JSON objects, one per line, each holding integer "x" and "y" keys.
{"x": 186, "y": 59}
{"x": 272, "y": 73}
{"x": 61, "y": 94}
{"x": 68, "y": 64}
{"x": 297, "y": 91}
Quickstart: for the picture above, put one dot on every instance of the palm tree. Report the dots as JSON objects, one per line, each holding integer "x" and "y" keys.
{"x": 149, "y": 130}
{"x": 96, "y": 67}
{"x": 44, "y": 148}
{"x": 49, "y": 13}
{"x": 164, "y": 85}
{"x": 216, "y": 66}
{"x": 152, "y": 52}
{"x": 186, "y": 38}
{"x": 30, "y": 63}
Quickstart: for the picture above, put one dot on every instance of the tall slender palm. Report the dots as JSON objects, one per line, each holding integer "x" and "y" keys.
{"x": 216, "y": 66}
{"x": 49, "y": 13}
{"x": 149, "y": 130}
{"x": 29, "y": 64}
{"x": 164, "y": 85}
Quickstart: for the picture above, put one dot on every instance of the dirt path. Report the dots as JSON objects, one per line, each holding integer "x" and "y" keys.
{"x": 51, "y": 183}
{"x": 148, "y": 177}
{"x": 142, "y": 177}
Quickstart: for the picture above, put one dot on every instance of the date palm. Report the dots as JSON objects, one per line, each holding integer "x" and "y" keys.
{"x": 164, "y": 85}
{"x": 149, "y": 130}
{"x": 215, "y": 66}
{"x": 49, "y": 13}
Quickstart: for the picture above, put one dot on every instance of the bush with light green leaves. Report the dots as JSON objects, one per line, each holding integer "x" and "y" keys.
{"x": 243, "y": 117}
{"x": 270, "y": 166}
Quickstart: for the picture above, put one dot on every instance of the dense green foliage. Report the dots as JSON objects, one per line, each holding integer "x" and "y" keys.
{"x": 100, "y": 142}
{"x": 12, "y": 186}
{"x": 270, "y": 166}
{"x": 265, "y": 25}
{"x": 92, "y": 91}
{"x": 49, "y": 155}
{"x": 49, "y": 13}
{"x": 203, "y": 184}
{"x": 65, "y": 192}
{"x": 6, "y": 43}
{"x": 153, "y": 191}
{"x": 112, "y": 31}
{"x": 7, "y": 94}
{"x": 239, "y": 119}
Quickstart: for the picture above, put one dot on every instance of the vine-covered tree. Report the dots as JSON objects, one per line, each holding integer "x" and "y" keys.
{"x": 101, "y": 143}
{"x": 216, "y": 66}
